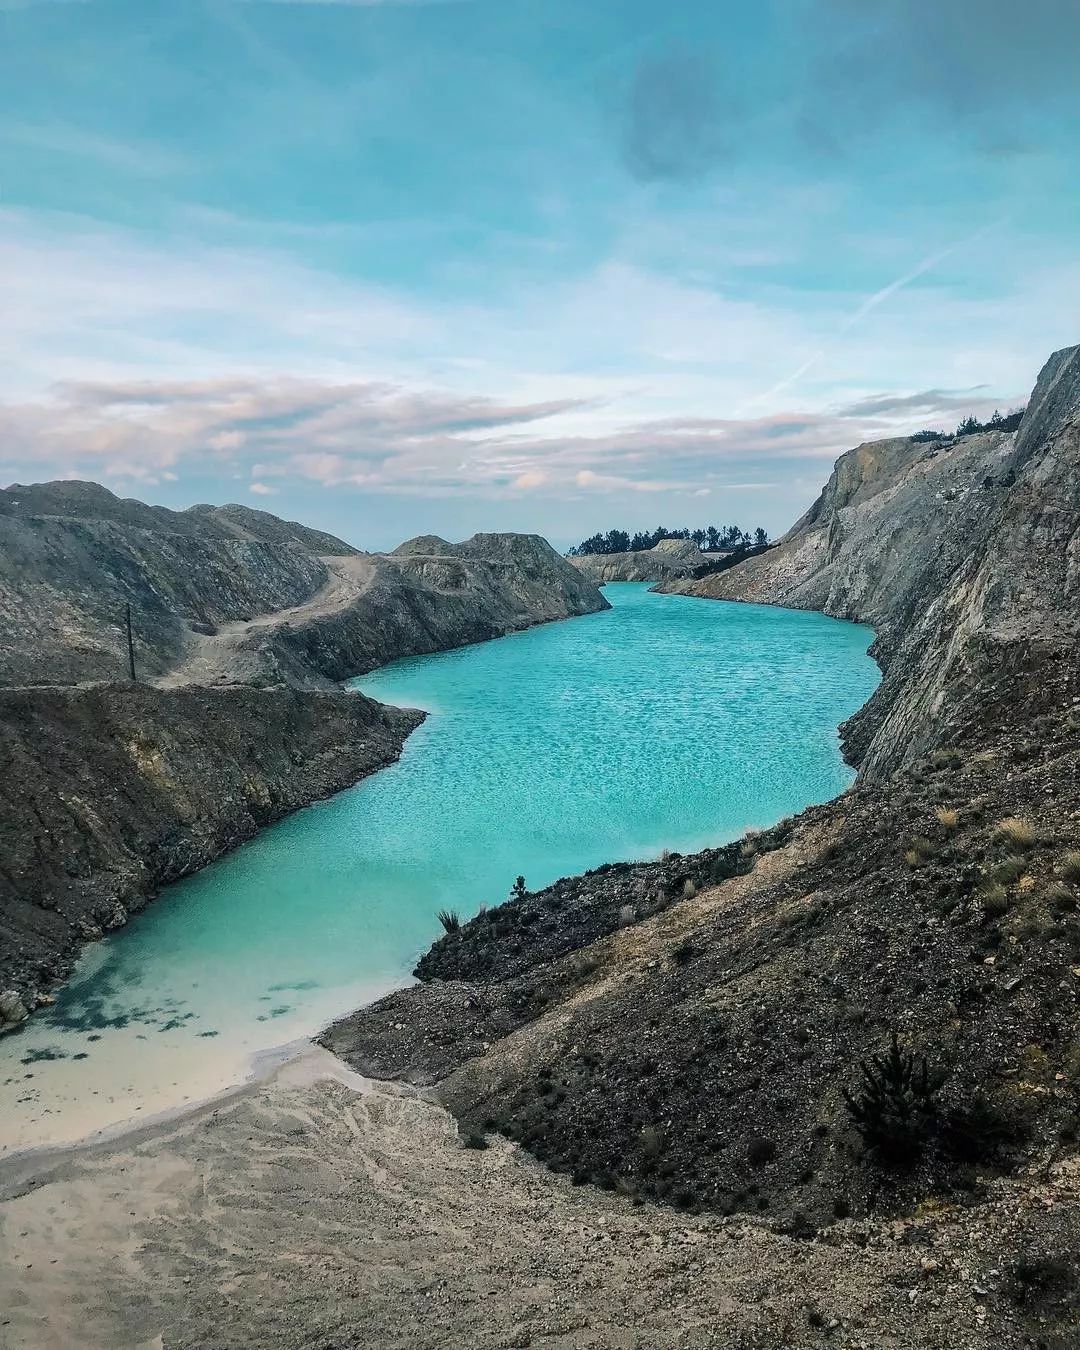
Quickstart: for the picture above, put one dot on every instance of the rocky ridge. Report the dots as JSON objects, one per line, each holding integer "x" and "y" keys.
{"x": 692, "y": 1037}
{"x": 244, "y": 627}
{"x": 670, "y": 559}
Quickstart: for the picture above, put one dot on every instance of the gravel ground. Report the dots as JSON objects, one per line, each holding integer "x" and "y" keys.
{"x": 331, "y": 1212}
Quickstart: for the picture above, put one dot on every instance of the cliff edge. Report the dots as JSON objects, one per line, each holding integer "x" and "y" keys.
{"x": 963, "y": 555}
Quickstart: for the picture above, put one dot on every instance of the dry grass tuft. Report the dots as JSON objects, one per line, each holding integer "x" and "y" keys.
{"x": 1070, "y": 868}
{"x": 1017, "y": 833}
{"x": 948, "y": 819}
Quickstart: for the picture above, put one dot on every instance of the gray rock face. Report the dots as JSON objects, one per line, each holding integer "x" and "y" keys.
{"x": 111, "y": 791}
{"x": 670, "y": 558}
{"x": 12, "y": 1010}
{"x": 73, "y": 556}
{"x": 963, "y": 555}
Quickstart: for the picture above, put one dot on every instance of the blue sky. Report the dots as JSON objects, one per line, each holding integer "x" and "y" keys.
{"x": 474, "y": 264}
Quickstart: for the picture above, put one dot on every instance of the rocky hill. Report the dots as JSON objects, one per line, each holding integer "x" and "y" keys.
{"x": 670, "y": 559}
{"x": 73, "y": 556}
{"x": 244, "y": 627}
{"x": 691, "y": 1031}
{"x": 963, "y": 555}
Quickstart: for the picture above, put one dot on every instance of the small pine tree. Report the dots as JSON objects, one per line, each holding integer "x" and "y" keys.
{"x": 519, "y": 890}
{"x": 895, "y": 1107}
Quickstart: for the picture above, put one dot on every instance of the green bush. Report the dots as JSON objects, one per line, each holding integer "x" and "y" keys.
{"x": 894, "y": 1108}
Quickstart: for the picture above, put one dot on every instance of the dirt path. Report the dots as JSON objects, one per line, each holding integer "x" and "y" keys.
{"x": 214, "y": 659}
{"x": 333, "y": 1212}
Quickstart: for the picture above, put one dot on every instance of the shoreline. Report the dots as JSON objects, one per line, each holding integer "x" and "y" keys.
{"x": 300, "y": 1062}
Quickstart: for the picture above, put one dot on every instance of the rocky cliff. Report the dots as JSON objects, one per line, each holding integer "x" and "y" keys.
{"x": 111, "y": 791}
{"x": 426, "y": 596}
{"x": 964, "y": 556}
{"x": 73, "y": 557}
{"x": 686, "y": 1031}
{"x": 244, "y": 626}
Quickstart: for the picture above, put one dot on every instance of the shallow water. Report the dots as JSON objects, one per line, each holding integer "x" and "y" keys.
{"x": 665, "y": 722}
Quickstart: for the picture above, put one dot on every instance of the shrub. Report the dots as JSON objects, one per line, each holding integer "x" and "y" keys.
{"x": 994, "y": 900}
{"x": 894, "y": 1108}
{"x": 1009, "y": 870}
{"x": 918, "y": 851}
{"x": 1070, "y": 868}
{"x": 948, "y": 819}
{"x": 1016, "y": 832}
{"x": 475, "y": 1140}
{"x": 761, "y": 1151}
{"x": 450, "y": 920}
{"x": 652, "y": 1143}
{"x": 685, "y": 952}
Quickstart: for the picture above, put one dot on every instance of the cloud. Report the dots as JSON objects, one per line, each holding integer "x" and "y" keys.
{"x": 675, "y": 118}
{"x": 997, "y": 73}
{"x": 357, "y": 4}
{"x": 926, "y": 401}
{"x": 391, "y": 438}
{"x": 372, "y": 433}
{"x": 77, "y": 143}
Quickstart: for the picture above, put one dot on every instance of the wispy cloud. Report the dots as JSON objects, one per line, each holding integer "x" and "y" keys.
{"x": 387, "y": 438}
{"x": 355, "y": 4}
{"x": 72, "y": 142}
{"x": 871, "y": 303}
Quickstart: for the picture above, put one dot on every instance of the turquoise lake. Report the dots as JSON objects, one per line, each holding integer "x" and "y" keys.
{"x": 665, "y": 722}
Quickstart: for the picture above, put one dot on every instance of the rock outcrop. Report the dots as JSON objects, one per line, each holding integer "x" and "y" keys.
{"x": 668, "y": 560}
{"x": 692, "y": 1036}
{"x": 964, "y": 556}
{"x": 426, "y": 596}
{"x": 73, "y": 557}
{"x": 244, "y": 627}
{"x": 111, "y": 791}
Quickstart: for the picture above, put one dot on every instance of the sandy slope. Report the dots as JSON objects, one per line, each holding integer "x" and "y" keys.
{"x": 214, "y": 658}
{"x": 316, "y": 1210}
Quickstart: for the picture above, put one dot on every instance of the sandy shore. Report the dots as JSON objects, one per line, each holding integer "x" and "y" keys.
{"x": 314, "y": 1208}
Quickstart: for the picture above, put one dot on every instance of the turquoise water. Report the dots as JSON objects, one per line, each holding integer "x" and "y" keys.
{"x": 665, "y": 722}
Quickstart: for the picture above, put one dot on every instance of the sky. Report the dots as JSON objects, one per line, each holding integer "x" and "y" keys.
{"x": 395, "y": 267}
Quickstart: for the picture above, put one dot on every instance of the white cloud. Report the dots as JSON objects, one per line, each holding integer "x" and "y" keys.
{"x": 123, "y": 359}
{"x": 262, "y": 489}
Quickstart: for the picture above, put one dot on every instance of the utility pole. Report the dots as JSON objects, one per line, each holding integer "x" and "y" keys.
{"x": 131, "y": 645}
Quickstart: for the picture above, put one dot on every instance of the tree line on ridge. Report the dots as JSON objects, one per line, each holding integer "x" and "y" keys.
{"x": 709, "y": 539}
